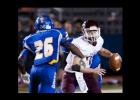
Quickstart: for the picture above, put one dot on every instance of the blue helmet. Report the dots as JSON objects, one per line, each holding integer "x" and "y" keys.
{"x": 43, "y": 23}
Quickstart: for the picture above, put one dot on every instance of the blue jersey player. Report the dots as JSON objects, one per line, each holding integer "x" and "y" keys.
{"x": 95, "y": 62}
{"x": 44, "y": 45}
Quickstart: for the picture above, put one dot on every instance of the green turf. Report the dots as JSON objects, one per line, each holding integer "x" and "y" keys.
{"x": 104, "y": 87}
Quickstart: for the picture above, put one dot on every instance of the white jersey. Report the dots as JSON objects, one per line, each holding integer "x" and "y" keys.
{"x": 86, "y": 48}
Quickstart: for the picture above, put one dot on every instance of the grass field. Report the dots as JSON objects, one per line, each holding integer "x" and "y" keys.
{"x": 110, "y": 85}
{"x": 105, "y": 89}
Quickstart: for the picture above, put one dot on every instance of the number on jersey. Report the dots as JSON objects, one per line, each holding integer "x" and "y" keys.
{"x": 47, "y": 45}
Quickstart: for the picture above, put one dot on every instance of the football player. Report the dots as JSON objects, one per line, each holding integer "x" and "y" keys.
{"x": 44, "y": 45}
{"x": 77, "y": 72}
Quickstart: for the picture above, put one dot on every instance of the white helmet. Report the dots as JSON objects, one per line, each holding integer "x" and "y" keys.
{"x": 91, "y": 31}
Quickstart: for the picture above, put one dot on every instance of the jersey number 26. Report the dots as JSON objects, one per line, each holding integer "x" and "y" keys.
{"x": 47, "y": 45}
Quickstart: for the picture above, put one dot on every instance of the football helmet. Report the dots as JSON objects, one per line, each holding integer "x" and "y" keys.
{"x": 43, "y": 23}
{"x": 91, "y": 31}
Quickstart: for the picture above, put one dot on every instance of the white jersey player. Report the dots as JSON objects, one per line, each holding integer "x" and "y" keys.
{"x": 77, "y": 71}
{"x": 86, "y": 48}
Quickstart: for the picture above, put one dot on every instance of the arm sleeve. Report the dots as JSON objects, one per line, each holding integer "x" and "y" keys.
{"x": 65, "y": 41}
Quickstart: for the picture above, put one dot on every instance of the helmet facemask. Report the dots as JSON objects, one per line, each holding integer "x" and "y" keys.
{"x": 91, "y": 34}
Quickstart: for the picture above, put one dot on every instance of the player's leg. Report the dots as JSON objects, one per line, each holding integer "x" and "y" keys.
{"x": 92, "y": 84}
{"x": 62, "y": 64}
{"x": 68, "y": 83}
{"x": 100, "y": 81}
{"x": 47, "y": 76}
{"x": 59, "y": 75}
{"x": 34, "y": 80}
{"x": 59, "y": 90}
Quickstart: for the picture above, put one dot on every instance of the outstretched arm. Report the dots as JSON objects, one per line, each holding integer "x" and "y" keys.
{"x": 105, "y": 52}
{"x": 80, "y": 66}
{"x": 75, "y": 50}
{"x": 68, "y": 44}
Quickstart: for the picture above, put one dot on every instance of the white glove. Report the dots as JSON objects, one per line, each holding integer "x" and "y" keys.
{"x": 26, "y": 78}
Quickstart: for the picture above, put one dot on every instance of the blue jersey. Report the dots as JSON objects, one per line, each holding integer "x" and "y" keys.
{"x": 66, "y": 37}
{"x": 63, "y": 32}
{"x": 95, "y": 61}
{"x": 44, "y": 45}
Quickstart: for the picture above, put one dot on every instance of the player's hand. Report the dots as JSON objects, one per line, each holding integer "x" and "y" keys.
{"x": 99, "y": 71}
{"x": 26, "y": 78}
{"x": 119, "y": 56}
{"x": 116, "y": 54}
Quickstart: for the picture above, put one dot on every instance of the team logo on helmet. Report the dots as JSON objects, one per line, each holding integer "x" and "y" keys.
{"x": 43, "y": 23}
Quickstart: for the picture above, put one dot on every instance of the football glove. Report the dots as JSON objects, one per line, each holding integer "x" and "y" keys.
{"x": 26, "y": 78}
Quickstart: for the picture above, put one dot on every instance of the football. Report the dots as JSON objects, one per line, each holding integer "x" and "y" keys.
{"x": 115, "y": 62}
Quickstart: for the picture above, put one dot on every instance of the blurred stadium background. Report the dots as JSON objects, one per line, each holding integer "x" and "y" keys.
{"x": 110, "y": 20}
